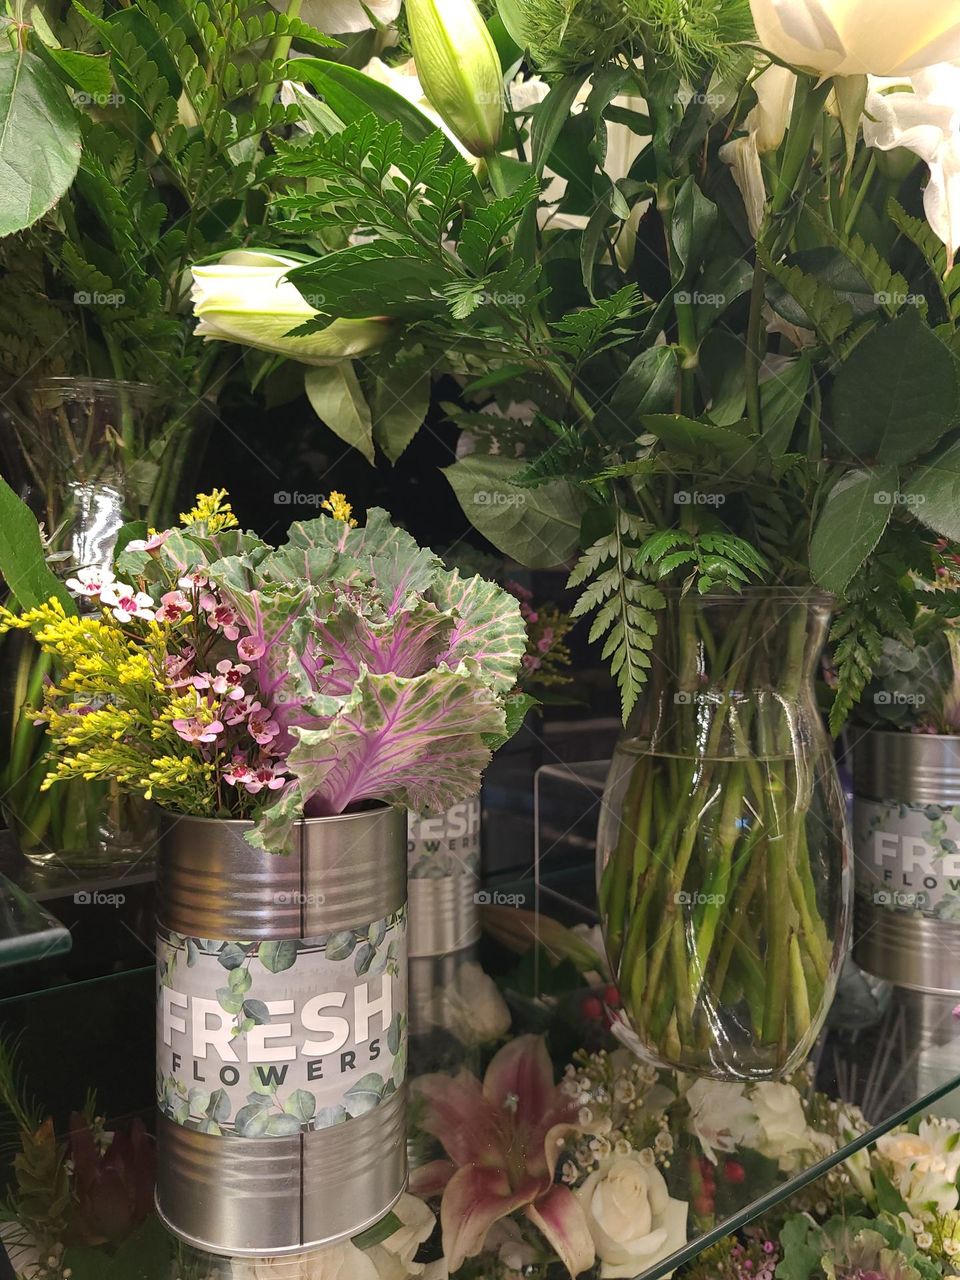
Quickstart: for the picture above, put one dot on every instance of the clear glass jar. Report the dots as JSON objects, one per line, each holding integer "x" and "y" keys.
{"x": 723, "y": 852}
{"x": 81, "y": 461}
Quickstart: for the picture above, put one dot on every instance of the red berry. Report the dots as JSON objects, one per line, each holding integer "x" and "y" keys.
{"x": 734, "y": 1171}
{"x": 592, "y": 1009}
{"x": 703, "y": 1206}
{"x": 611, "y": 996}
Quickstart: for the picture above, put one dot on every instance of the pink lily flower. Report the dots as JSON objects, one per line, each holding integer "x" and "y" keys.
{"x": 503, "y": 1137}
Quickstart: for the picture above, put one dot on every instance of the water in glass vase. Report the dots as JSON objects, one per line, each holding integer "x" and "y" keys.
{"x": 724, "y": 870}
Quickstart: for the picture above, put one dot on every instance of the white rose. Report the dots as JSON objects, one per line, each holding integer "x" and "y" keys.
{"x": 245, "y": 298}
{"x": 631, "y": 1216}
{"x": 783, "y": 1134}
{"x": 859, "y": 37}
{"x": 338, "y": 1262}
{"x": 722, "y": 1117}
{"x": 473, "y": 1009}
{"x": 394, "y": 1257}
{"x": 926, "y": 1164}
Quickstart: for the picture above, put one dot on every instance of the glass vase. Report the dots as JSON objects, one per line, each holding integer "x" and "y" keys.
{"x": 724, "y": 860}
{"x": 77, "y": 450}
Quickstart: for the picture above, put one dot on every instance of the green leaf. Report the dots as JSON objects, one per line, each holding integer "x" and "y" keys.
{"x": 781, "y": 399}
{"x": 553, "y": 114}
{"x": 352, "y": 95}
{"x": 803, "y": 1246}
{"x": 337, "y": 398}
{"x": 694, "y": 217}
{"x": 933, "y": 493}
{"x": 88, "y": 72}
{"x": 648, "y": 386}
{"x": 379, "y": 1232}
{"x": 401, "y": 398}
{"x": 278, "y": 956}
{"x": 22, "y": 562}
{"x": 39, "y": 140}
{"x": 851, "y": 524}
{"x": 538, "y": 527}
{"x": 687, "y": 435}
{"x": 897, "y": 394}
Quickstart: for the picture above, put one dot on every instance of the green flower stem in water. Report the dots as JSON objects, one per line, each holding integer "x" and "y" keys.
{"x": 709, "y": 895}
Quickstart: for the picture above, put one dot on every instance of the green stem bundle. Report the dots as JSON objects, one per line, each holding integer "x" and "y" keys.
{"x": 719, "y": 888}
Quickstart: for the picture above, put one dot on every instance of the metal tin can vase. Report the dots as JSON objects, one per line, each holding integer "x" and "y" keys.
{"x": 281, "y": 1032}
{"x": 443, "y": 861}
{"x": 906, "y": 831}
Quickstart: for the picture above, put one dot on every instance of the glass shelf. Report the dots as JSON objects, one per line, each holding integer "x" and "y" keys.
{"x": 889, "y": 1052}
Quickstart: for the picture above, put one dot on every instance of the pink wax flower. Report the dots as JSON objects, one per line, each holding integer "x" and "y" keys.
{"x": 221, "y": 617}
{"x": 235, "y": 712}
{"x": 153, "y": 543}
{"x": 262, "y": 729}
{"x": 250, "y": 648}
{"x": 173, "y": 606}
{"x": 89, "y": 582}
{"x": 268, "y": 776}
{"x": 192, "y": 581}
{"x": 175, "y": 666}
{"x": 125, "y": 602}
{"x": 228, "y": 680}
{"x": 193, "y": 730}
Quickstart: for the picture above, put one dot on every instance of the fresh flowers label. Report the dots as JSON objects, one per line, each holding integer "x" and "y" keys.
{"x": 445, "y": 845}
{"x": 270, "y": 1039}
{"x": 908, "y": 856}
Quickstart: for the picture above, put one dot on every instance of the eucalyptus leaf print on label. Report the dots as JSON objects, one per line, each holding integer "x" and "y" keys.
{"x": 908, "y": 857}
{"x": 275, "y": 1038}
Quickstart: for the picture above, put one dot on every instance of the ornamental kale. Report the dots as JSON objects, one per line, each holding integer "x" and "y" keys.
{"x": 223, "y": 677}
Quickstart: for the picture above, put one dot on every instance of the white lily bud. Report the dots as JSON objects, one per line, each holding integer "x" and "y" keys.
{"x": 245, "y": 298}
{"x": 459, "y": 68}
